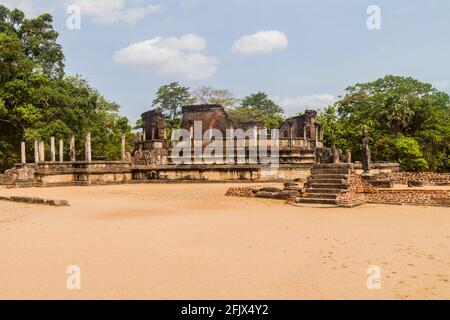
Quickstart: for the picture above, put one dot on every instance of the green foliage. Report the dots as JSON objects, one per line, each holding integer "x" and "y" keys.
{"x": 38, "y": 101}
{"x": 393, "y": 107}
{"x": 258, "y": 107}
{"x": 261, "y": 102}
{"x": 170, "y": 98}
{"x": 409, "y": 154}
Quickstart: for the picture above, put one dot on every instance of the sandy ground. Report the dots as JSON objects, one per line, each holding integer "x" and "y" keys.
{"x": 189, "y": 241}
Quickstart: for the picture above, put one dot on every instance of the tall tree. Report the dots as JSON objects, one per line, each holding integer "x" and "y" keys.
{"x": 260, "y": 101}
{"x": 37, "y": 100}
{"x": 170, "y": 98}
{"x": 224, "y": 97}
{"x": 258, "y": 107}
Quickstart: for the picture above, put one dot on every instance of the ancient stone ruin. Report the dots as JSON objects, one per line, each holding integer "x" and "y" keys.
{"x": 293, "y": 154}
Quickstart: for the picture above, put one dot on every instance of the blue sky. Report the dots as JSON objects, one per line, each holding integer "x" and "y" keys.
{"x": 302, "y": 53}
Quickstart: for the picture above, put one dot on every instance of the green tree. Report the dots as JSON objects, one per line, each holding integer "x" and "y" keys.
{"x": 394, "y": 107}
{"x": 332, "y": 130}
{"x": 260, "y": 101}
{"x": 409, "y": 155}
{"x": 258, "y": 107}
{"x": 37, "y": 100}
{"x": 170, "y": 98}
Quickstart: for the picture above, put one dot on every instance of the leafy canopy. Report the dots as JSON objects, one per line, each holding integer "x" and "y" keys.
{"x": 37, "y": 99}
{"x": 398, "y": 110}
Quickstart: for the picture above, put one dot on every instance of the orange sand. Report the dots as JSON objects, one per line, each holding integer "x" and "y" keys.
{"x": 189, "y": 241}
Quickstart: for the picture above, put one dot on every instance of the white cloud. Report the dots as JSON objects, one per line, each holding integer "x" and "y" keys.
{"x": 441, "y": 85}
{"x": 27, "y": 6}
{"x": 171, "y": 56}
{"x": 112, "y": 11}
{"x": 261, "y": 42}
{"x": 292, "y": 106}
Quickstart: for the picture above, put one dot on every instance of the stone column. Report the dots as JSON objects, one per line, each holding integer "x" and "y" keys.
{"x": 304, "y": 133}
{"x": 290, "y": 135}
{"x": 153, "y": 133}
{"x": 87, "y": 148}
{"x": 52, "y": 149}
{"x": 144, "y": 137}
{"x": 41, "y": 151}
{"x": 36, "y": 151}
{"x": 122, "y": 148}
{"x": 191, "y": 133}
{"x": 61, "y": 150}
{"x": 23, "y": 156}
{"x": 72, "y": 149}
{"x": 316, "y": 142}
{"x": 255, "y": 136}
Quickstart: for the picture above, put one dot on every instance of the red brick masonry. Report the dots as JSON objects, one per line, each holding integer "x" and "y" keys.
{"x": 360, "y": 191}
{"x": 427, "y": 178}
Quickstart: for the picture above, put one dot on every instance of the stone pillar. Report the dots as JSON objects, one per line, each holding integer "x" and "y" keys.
{"x": 255, "y": 136}
{"x": 23, "y": 156}
{"x": 72, "y": 149}
{"x": 316, "y": 142}
{"x": 122, "y": 148}
{"x": 153, "y": 133}
{"x": 191, "y": 134}
{"x": 52, "y": 149}
{"x": 61, "y": 150}
{"x": 144, "y": 136}
{"x": 41, "y": 151}
{"x": 290, "y": 135}
{"x": 36, "y": 151}
{"x": 87, "y": 148}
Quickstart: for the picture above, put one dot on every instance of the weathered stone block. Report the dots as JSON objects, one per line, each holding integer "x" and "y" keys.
{"x": 414, "y": 183}
{"x": 265, "y": 194}
{"x": 381, "y": 183}
{"x": 270, "y": 189}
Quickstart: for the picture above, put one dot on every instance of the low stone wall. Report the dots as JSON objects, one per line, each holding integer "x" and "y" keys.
{"x": 361, "y": 191}
{"x": 414, "y": 197}
{"x": 34, "y": 200}
{"x": 290, "y": 190}
{"x": 248, "y": 192}
{"x": 427, "y": 178}
{"x": 356, "y": 191}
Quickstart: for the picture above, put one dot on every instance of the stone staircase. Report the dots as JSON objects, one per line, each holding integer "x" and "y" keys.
{"x": 326, "y": 183}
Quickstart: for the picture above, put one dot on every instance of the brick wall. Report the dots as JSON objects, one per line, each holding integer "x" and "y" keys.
{"x": 427, "y": 178}
{"x": 356, "y": 190}
{"x": 241, "y": 192}
{"x": 414, "y": 196}
{"x": 360, "y": 191}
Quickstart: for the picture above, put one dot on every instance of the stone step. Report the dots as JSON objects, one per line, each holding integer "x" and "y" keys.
{"x": 329, "y": 171}
{"x": 320, "y": 195}
{"x": 316, "y": 201}
{"x": 328, "y": 181}
{"x": 323, "y": 190}
{"x": 328, "y": 176}
{"x": 337, "y": 185}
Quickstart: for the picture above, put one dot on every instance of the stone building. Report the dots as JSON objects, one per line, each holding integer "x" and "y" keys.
{"x": 299, "y": 138}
